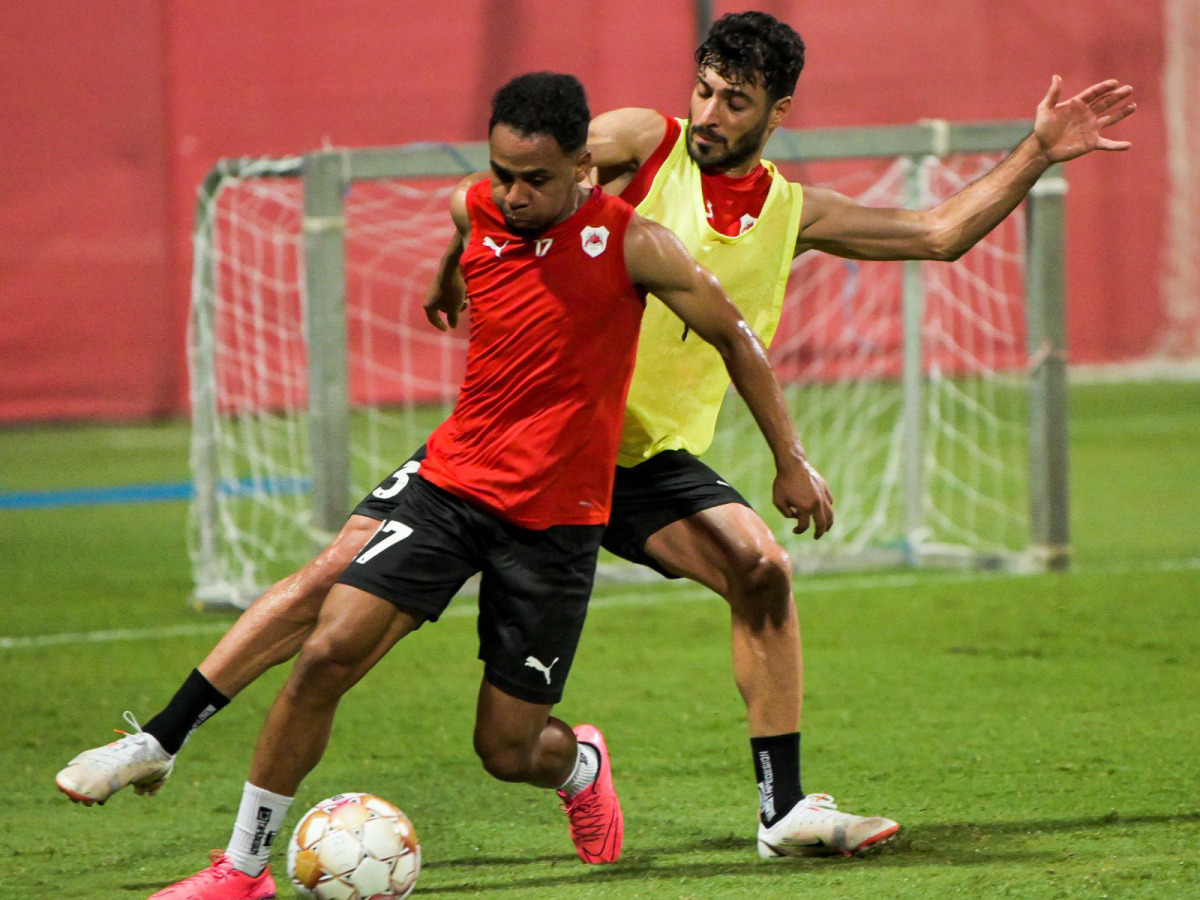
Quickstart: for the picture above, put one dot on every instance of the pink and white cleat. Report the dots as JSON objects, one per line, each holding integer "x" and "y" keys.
{"x": 815, "y": 827}
{"x": 220, "y": 881}
{"x": 597, "y": 824}
{"x": 95, "y": 775}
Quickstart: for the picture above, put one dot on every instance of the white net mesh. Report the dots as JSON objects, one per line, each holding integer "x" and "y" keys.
{"x": 839, "y": 350}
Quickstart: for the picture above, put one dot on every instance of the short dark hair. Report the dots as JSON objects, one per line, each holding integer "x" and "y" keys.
{"x": 544, "y": 103}
{"x": 754, "y": 48}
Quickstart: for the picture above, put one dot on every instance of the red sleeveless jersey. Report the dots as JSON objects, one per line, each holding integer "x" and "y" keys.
{"x": 554, "y": 323}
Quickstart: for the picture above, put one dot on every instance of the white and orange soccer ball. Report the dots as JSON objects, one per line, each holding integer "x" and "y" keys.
{"x": 354, "y": 847}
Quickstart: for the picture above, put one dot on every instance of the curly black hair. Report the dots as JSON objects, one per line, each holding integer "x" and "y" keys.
{"x": 544, "y": 103}
{"x": 754, "y": 48}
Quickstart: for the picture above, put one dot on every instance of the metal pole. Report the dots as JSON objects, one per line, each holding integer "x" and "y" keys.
{"x": 704, "y": 19}
{"x": 207, "y": 573}
{"x": 1049, "y": 491}
{"x": 328, "y": 378}
{"x": 913, "y": 377}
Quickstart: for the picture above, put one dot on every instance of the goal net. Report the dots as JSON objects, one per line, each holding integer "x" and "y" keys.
{"x": 911, "y": 383}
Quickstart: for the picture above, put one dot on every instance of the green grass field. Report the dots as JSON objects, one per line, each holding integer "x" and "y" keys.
{"x": 1036, "y": 736}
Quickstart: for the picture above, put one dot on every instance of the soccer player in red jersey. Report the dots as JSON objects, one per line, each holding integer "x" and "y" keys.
{"x": 517, "y": 483}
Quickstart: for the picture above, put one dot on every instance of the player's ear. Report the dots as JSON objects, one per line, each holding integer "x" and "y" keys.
{"x": 583, "y": 166}
{"x": 779, "y": 111}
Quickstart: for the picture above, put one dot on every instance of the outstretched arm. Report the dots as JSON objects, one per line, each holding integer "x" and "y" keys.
{"x": 657, "y": 261}
{"x": 1062, "y": 131}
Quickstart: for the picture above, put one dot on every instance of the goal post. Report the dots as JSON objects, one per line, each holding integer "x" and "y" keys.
{"x": 313, "y": 371}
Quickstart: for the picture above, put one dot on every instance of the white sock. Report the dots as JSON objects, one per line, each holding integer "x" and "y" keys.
{"x": 258, "y": 821}
{"x": 587, "y": 767}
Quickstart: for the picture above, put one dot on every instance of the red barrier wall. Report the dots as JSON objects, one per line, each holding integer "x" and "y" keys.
{"x": 114, "y": 110}
{"x": 87, "y": 298}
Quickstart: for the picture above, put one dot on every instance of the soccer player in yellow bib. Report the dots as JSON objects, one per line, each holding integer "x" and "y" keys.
{"x": 704, "y": 178}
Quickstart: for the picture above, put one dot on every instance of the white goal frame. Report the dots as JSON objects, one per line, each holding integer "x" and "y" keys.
{"x": 327, "y": 175}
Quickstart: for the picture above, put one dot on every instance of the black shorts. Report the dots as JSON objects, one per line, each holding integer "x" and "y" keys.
{"x": 648, "y": 497}
{"x": 533, "y": 593}
{"x": 382, "y": 500}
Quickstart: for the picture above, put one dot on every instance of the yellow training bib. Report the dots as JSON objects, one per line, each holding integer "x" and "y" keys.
{"x": 679, "y": 381}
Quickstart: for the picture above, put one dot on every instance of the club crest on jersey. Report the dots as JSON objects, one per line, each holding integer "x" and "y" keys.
{"x": 594, "y": 240}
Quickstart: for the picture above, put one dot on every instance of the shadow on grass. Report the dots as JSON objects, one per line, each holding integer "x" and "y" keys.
{"x": 932, "y": 844}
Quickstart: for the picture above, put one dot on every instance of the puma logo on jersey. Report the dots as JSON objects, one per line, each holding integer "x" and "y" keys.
{"x": 594, "y": 240}
{"x": 532, "y": 662}
{"x": 493, "y": 246}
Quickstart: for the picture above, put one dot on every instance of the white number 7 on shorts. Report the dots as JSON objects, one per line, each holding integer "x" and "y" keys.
{"x": 398, "y": 531}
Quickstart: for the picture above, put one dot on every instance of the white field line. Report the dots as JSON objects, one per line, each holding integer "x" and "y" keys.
{"x": 103, "y": 637}
{"x": 614, "y": 598}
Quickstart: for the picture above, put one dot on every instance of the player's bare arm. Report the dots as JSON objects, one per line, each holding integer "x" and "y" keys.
{"x": 620, "y": 141}
{"x": 658, "y": 261}
{"x": 1063, "y": 130}
{"x": 446, "y": 296}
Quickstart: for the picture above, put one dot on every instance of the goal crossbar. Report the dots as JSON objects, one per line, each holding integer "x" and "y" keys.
{"x": 327, "y": 176}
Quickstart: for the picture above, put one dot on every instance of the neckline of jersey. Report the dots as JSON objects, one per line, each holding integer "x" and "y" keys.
{"x": 706, "y": 225}
{"x": 737, "y": 182}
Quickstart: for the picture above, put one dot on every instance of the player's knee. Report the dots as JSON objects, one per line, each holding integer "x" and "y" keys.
{"x": 761, "y": 572}
{"x": 504, "y": 761}
{"x": 760, "y": 588}
{"x": 327, "y": 662}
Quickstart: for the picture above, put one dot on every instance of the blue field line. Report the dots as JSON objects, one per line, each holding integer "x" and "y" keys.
{"x": 145, "y": 493}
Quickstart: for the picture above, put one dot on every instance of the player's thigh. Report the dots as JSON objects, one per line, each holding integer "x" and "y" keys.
{"x": 717, "y": 547}
{"x": 533, "y": 599}
{"x": 675, "y": 514}
{"x": 299, "y": 596}
{"x": 323, "y": 570}
{"x": 354, "y": 631}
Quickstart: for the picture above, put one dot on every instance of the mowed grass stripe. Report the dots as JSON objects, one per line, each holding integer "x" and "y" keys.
{"x": 610, "y": 598}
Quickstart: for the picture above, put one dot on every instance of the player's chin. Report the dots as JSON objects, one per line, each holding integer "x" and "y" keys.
{"x": 524, "y": 227}
{"x": 711, "y": 156}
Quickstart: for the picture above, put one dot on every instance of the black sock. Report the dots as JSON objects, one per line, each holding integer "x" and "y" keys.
{"x": 777, "y": 769}
{"x": 195, "y": 702}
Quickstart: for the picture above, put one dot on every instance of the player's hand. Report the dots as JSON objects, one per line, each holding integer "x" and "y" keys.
{"x": 1073, "y": 127}
{"x": 445, "y": 300}
{"x": 803, "y": 495}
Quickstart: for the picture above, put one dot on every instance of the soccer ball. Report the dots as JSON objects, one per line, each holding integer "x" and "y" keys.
{"x": 354, "y": 847}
